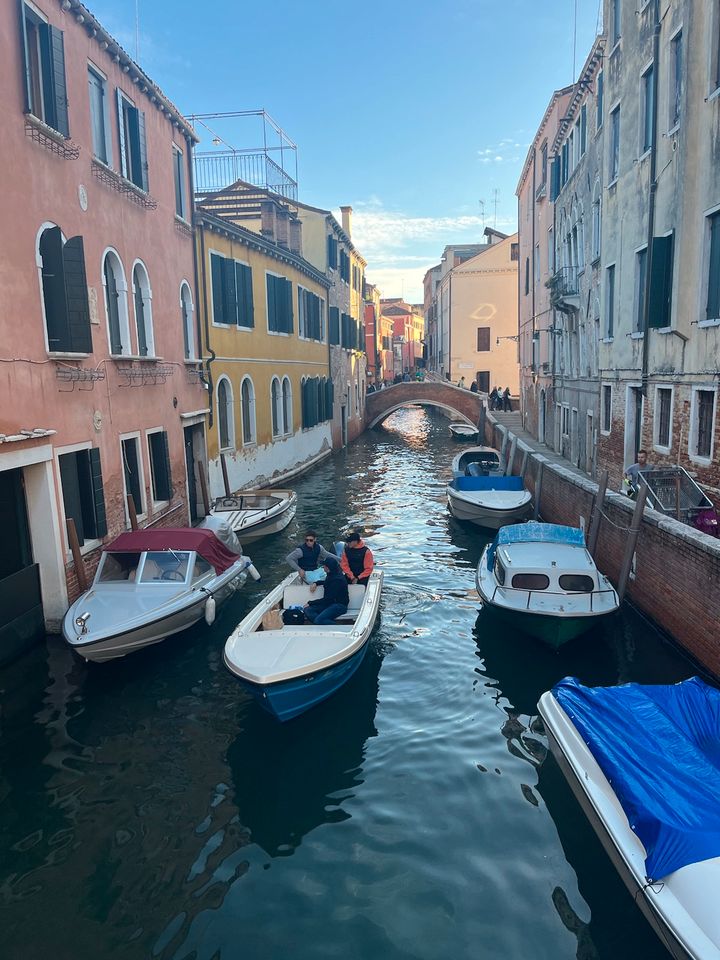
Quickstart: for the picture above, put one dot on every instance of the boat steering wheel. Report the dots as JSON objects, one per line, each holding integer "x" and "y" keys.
{"x": 173, "y": 575}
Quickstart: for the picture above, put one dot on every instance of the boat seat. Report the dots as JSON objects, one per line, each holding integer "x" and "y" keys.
{"x": 299, "y": 594}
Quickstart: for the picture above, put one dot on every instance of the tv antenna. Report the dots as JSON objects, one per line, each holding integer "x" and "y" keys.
{"x": 481, "y": 204}
{"x": 495, "y": 205}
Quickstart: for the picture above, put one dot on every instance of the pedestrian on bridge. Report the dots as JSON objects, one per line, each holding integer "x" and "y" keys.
{"x": 506, "y": 404}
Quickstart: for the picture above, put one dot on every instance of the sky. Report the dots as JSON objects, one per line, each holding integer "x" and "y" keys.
{"x": 416, "y": 113}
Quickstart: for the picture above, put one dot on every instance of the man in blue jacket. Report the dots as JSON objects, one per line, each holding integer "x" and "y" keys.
{"x": 308, "y": 556}
{"x": 335, "y": 599}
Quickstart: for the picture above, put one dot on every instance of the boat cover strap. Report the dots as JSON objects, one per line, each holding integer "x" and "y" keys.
{"x": 201, "y": 541}
{"x": 659, "y": 747}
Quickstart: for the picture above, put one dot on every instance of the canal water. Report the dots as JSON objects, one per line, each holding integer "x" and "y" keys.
{"x": 148, "y": 809}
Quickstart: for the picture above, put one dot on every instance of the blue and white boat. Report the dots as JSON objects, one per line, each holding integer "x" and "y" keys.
{"x": 489, "y": 501}
{"x": 644, "y": 763}
{"x": 290, "y": 668}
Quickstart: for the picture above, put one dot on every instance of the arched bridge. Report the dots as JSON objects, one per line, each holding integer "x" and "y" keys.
{"x": 464, "y": 404}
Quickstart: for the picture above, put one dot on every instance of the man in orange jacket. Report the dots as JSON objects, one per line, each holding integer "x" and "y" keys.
{"x": 357, "y": 560}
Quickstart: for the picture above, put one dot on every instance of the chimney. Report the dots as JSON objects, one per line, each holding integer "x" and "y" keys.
{"x": 296, "y": 236}
{"x": 282, "y": 217}
{"x": 267, "y": 219}
{"x": 347, "y": 220}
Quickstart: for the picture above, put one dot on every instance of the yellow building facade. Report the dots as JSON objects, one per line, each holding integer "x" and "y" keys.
{"x": 266, "y": 355}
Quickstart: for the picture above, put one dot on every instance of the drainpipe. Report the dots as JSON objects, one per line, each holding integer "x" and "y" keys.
{"x": 650, "y": 228}
{"x": 207, "y": 326}
{"x": 532, "y": 260}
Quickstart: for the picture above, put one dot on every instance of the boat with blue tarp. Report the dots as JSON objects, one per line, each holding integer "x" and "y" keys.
{"x": 542, "y": 578}
{"x": 644, "y": 763}
{"x": 488, "y": 501}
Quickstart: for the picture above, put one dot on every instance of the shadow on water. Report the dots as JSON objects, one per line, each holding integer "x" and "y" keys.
{"x": 290, "y": 778}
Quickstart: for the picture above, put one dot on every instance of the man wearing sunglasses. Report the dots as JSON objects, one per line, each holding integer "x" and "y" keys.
{"x": 308, "y": 556}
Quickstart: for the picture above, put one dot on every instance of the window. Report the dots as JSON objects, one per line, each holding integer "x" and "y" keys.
{"x": 596, "y": 222}
{"x": 186, "y": 312}
{"x": 82, "y": 489}
{"x": 499, "y": 571}
{"x": 232, "y": 292}
{"x": 132, "y": 473}
{"x": 279, "y": 304}
{"x": 610, "y": 302}
{"x": 334, "y": 327}
{"x": 661, "y": 281}
{"x": 226, "y": 419}
{"x": 44, "y": 56}
{"x": 348, "y": 332}
{"x": 712, "y": 309}
{"x": 332, "y": 250}
{"x": 550, "y": 250}
{"x": 663, "y": 417}
{"x": 616, "y": 15}
{"x": 161, "y": 476}
{"x": 133, "y": 149}
{"x": 247, "y": 410}
{"x": 142, "y": 300}
{"x": 648, "y": 108}
{"x": 97, "y": 90}
{"x": 530, "y": 581}
{"x": 116, "y": 307}
{"x": 527, "y": 275}
{"x": 565, "y": 422}
{"x": 344, "y": 266}
{"x": 64, "y": 292}
{"x": 311, "y": 315}
{"x": 483, "y": 339}
{"x": 179, "y": 173}
{"x": 606, "y": 412}
{"x": 576, "y": 583}
{"x": 275, "y": 407}
{"x": 702, "y": 423}
{"x": 287, "y": 406}
{"x": 583, "y": 129}
{"x": 640, "y": 281}
{"x": 482, "y": 378}
{"x": 599, "y": 96}
{"x": 317, "y": 397}
{"x": 536, "y": 263}
{"x": 676, "y": 72}
{"x": 543, "y": 164}
{"x": 614, "y": 144}
{"x": 514, "y": 251}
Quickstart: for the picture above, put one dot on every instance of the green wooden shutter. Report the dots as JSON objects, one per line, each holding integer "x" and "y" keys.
{"x": 661, "y": 280}
{"x": 59, "y": 87}
{"x": 246, "y": 310}
{"x": 111, "y": 293}
{"x": 554, "y": 178}
{"x": 27, "y": 89}
{"x": 121, "y": 133}
{"x": 329, "y": 398}
{"x": 229, "y": 291}
{"x": 271, "y": 301}
{"x": 142, "y": 151}
{"x": 98, "y": 494}
{"x": 289, "y": 325}
{"x": 164, "y": 482}
{"x": 54, "y": 290}
{"x": 713, "y": 295}
{"x": 72, "y": 501}
{"x": 216, "y": 274}
{"x": 76, "y": 296}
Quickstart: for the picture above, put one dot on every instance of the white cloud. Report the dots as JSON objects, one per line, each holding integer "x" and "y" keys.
{"x": 400, "y": 281}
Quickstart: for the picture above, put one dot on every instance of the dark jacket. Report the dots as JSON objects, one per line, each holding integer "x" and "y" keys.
{"x": 335, "y": 588}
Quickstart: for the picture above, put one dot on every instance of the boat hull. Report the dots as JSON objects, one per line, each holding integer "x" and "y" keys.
{"x": 553, "y": 630}
{"x": 250, "y": 524}
{"x": 267, "y": 527}
{"x": 290, "y": 698}
{"x": 482, "y": 515}
{"x": 464, "y": 436}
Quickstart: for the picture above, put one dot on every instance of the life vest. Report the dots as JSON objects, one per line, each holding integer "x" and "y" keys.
{"x": 356, "y": 559}
{"x": 310, "y": 556}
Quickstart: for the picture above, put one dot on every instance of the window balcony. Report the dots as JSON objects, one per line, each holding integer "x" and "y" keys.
{"x": 565, "y": 288}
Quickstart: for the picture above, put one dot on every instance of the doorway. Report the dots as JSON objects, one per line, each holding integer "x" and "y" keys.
{"x": 541, "y": 418}
{"x": 194, "y": 439}
{"x": 633, "y": 423}
{"x": 589, "y": 443}
{"x": 343, "y": 425}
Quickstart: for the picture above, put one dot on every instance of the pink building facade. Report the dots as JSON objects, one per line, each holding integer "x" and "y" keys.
{"x": 101, "y": 389}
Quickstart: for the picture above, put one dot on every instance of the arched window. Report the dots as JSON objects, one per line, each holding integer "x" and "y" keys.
{"x": 116, "y": 307}
{"x": 226, "y": 420}
{"x": 287, "y": 406}
{"x": 142, "y": 302}
{"x": 186, "y": 313}
{"x": 247, "y": 405}
{"x": 61, "y": 265}
{"x": 275, "y": 408}
{"x": 596, "y": 221}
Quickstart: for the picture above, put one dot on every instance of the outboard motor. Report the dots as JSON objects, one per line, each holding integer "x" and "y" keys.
{"x": 477, "y": 469}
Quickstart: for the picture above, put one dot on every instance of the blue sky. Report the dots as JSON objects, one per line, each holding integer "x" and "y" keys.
{"x": 411, "y": 111}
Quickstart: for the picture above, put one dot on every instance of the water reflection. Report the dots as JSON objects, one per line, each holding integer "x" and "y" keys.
{"x": 290, "y": 778}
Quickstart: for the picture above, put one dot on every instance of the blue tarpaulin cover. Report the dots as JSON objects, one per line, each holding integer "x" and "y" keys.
{"x": 534, "y": 532}
{"x": 487, "y": 483}
{"x": 659, "y": 747}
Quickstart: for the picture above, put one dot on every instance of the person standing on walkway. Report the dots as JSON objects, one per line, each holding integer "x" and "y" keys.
{"x": 461, "y": 382}
{"x": 308, "y": 556}
{"x": 357, "y": 560}
{"x": 335, "y": 599}
{"x": 493, "y": 398}
{"x": 506, "y": 404}
{"x": 474, "y": 387}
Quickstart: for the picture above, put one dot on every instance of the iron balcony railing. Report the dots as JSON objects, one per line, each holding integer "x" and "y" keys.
{"x": 565, "y": 283}
{"x": 219, "y": 169}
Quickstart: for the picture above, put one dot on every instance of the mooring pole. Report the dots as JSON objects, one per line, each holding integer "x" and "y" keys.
{"x": 77, "y": 556}
{"x": 633, "y": 531}
{"x": 597, "y": 512}
{"x": 226, "y": 482}
{"x": 511, "y": 457}
{"x": 132, "y": 512}
{"x": 481, "y": 423}
{"x": 203, "y": 487}
{"x": 503, "y": 448}
{"x": 538, "y": 490}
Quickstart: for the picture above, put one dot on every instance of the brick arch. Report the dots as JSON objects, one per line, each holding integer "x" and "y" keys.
{"x": 465, "y": 404}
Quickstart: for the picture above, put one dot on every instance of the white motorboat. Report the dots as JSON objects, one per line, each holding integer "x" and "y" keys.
{"x": 542, "y": 578}
{"x": 644, "y": 764}
{"x": 290, "y": 668}
{"x": 150, "y": 584}
{"x": 489, "y": 501}
{"x": 476, "y": 461}
{"x": 253, "y": 514}
{"x": 463, "y": 432}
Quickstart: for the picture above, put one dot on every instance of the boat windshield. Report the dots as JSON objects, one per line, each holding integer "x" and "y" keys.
{"x": 118, "y": 567}
{"x": 165, "y": 566}
{"x": 530, "y": 581}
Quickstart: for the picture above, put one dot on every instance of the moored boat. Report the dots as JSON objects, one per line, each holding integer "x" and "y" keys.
{"x": 541, "y": 577}
{"x": 463, "y": 432}
{"x": 476, "y": 461}
{"x": 150, "y": 584}
{"x": 290, "y": 668}
{"x": 489, "y": 501}
{"x": 253, "y": 514}
{"x": 644, "y": 764}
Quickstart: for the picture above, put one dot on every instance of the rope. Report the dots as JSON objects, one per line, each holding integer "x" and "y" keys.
{"x": 618, "y": 526}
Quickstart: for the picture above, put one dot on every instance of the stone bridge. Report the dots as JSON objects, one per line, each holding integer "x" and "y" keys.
{"x": 463, "y": 404}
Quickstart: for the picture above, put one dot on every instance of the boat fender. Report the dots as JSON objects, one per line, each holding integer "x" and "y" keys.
{"x": 253, "y": 571}
{"x": 210, "y": 611}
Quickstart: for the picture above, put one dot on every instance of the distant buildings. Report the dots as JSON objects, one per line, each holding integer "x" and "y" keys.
{"x": 404, "y": 326}
{"x": 471, "y": 313}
